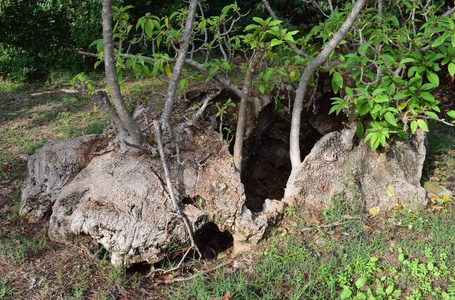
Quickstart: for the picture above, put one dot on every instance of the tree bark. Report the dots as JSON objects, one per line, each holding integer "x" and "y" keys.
{"x": 303, "y": 84}
{"x": 241, "y": 123}
{"x": 109, "y": 62}
{"x": 173, "y": 83}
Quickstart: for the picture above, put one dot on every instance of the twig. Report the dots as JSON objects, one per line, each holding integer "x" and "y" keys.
{"x": 174, "y": 268}
{"x": 207, "y": 99}
{"x": 66, "y": 91}
{"x": 182, "y": 279}
{"x": 171, "y": 190}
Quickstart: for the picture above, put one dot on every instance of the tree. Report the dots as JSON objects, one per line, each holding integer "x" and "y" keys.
{"x": 348, "y": 44}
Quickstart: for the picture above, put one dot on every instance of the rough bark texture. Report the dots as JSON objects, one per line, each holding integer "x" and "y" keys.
{"x": 337, "y": 168}
{"x": 50, "y": 168}
{"x": 120, "y": 202}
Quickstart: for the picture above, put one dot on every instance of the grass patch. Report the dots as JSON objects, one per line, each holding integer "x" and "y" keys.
{"x": 6, "y": 290}
{"x": 404, "y": 256}
{"x": 17, "y": 248}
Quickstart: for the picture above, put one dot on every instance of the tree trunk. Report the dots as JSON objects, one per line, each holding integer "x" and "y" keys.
{"x": 109, "y": 62}
{"x": 303, "y": 84}
{"x": 179, "y": 65}
{"x": 241, "y": 123}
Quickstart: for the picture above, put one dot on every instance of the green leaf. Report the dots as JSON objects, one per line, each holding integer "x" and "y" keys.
{"x": 399, "y": 96}
{"x": 427, "y": 96}
{"x": 346, "y": 293}
{"x": 149, "y": 28}
{"x": 427, "y": 87}
{"x": 97, "y": 64}
{"x": 451, "y": 114}
{"x": 408, "y": 60}
{"x": 390, "y": 118}
{"x": 431, "y": 115}
{"x": 337, "y": 82}
{"x": 451, "y": 68}
{"x": 453, "y": 40}
{"x": 360, "y": 282}
{"x": 440, "y": 40}
{"x": 275, "y": 22}
{"x": 381, "y": 99}
{"x": 433, "y": 78}
{"x": 413, "y": 126}
{"x": 275, "y": 42}
{"x": 403, "y": 134}
{"x": 422, "y": 124}
{"x": 363, "y": 48}
{"x": 262, "y": 88}
{"x": 401, "y": 106}
{"x": 389, "y": 289}
{"x": 360, "y": 129}
{"x": 349, "y": 91}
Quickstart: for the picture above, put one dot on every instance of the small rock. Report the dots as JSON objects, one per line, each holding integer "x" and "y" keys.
{"x": 435, "y": 188}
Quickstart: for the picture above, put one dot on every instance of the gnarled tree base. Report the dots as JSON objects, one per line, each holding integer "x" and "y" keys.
{"x": 121, "y": 201}
{"x": 354, "y": 172}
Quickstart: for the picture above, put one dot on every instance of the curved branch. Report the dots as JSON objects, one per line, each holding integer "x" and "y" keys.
{"x": 303, "y": 84}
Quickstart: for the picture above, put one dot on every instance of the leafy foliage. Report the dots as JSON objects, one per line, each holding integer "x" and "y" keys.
{"x": 395, "y": 70}
{"x": 38, "y": 36}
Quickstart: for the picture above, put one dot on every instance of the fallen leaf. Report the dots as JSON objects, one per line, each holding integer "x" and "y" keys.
{"x": 167, "y": 277}
{"x": 374, "y": 210}
{"x": 5, "y": 191}
{"x": 390, "y": 193}
{"x": 227, "y": 296}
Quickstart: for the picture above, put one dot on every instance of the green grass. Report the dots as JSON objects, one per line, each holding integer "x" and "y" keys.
{"x": 16, "y": 248}
{"x": 408, "y": 256}
{"x": 5, "y": 288}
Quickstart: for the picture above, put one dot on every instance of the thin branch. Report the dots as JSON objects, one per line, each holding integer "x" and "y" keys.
{"x": 318, "y": 6}
{"x": 309, "y": 71}
{"x": 170, "y": 187}
{"x": 179, "y": 64}
{"x": 449, "y": 13}
{"x": 176, "y": 267}
{"x": 65, "y": 91}
{"x": 206, "y": 101}
{"x": 183, "y": 279}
